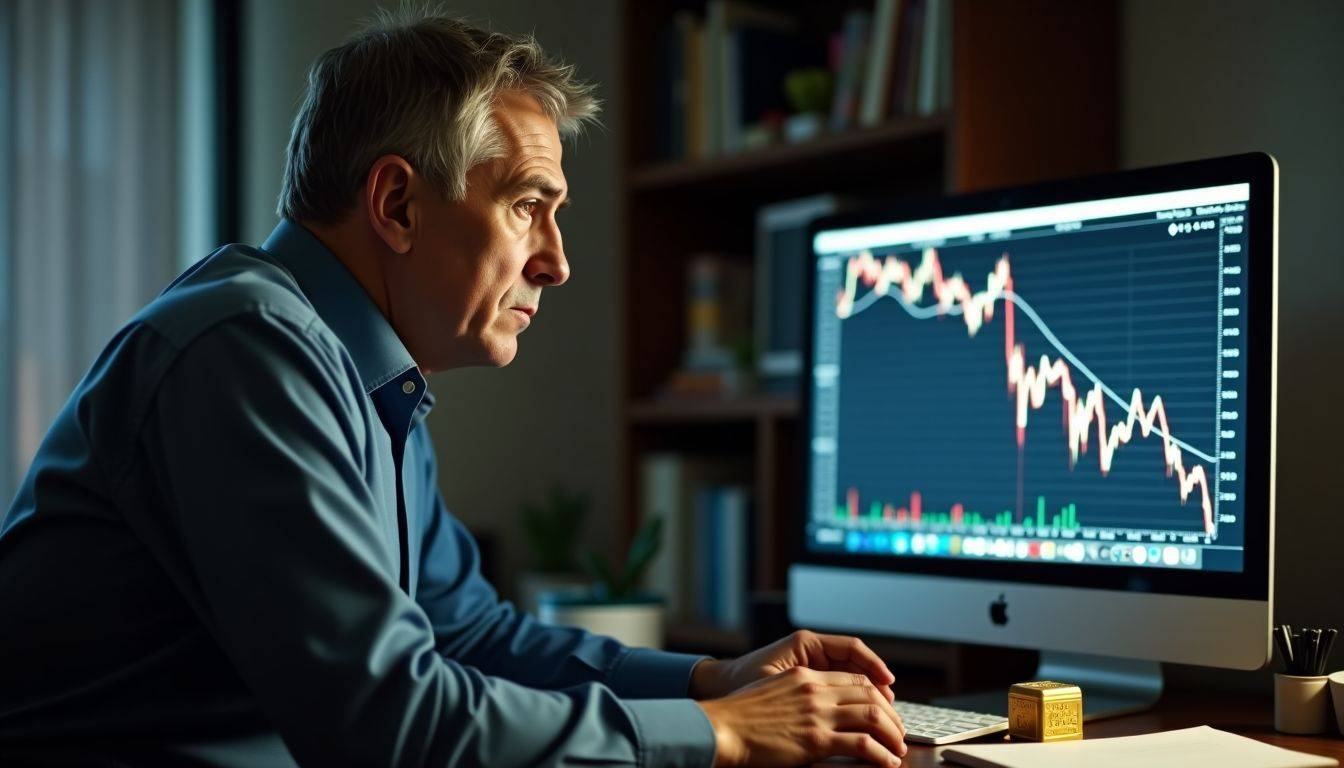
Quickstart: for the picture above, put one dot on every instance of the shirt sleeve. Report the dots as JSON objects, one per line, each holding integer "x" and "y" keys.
{"x": 257, "y": 441}
{"x": 471, "y": 624}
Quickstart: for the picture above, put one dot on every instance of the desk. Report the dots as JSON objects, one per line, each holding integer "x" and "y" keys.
{"x": 1246, "y": 715}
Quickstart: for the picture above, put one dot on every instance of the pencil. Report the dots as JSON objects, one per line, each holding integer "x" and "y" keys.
{"x": 1290, "y": 657}
{"x": 1284, "y": 650}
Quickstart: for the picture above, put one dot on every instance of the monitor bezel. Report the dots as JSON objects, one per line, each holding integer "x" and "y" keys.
{"x": 1253, "y": 582}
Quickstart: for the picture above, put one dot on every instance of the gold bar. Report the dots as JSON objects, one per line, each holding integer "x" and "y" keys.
{"x": 1045, "y": 711}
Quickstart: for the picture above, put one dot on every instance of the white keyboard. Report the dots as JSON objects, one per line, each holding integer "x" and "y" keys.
{"x": 925, "y": 724}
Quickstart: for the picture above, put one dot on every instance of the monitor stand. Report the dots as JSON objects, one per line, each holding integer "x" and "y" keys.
{"x": 1110, "y": 686}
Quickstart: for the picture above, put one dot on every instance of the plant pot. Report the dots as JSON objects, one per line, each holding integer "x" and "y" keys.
{"x": 805, "y": 126}
{"x": 636, "y": 621}
{"x": 533, "y": 584}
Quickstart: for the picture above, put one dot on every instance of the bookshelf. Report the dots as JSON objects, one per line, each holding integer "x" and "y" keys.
{"x": 1033, "y": 96}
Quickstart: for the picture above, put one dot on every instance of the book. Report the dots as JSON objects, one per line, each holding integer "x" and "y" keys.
{"x": 660, "y": 483}
{"x": 669, "y": 484}
{"x": 722, "y": 555}
{"x": 881, "y": 58}
{"x": 733, "y": 553}
{"x": 708, "y": 563}
{"x": 852, "y": 65}
{"x": 945, "y": 55}
{"x": 932, "y": 68}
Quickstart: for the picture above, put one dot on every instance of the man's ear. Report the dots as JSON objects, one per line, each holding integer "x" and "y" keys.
{"x": 388, "y": 198}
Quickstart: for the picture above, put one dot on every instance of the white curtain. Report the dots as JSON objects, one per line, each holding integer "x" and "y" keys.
{"x": 97, "y": 102}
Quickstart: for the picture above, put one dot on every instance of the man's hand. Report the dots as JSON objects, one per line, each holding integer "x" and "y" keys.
{"x": 801, "y": 716}
{"x": 711, "y": 679}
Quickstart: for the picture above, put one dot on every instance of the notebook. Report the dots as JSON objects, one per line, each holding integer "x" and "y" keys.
{"x": 1186, "y": 748}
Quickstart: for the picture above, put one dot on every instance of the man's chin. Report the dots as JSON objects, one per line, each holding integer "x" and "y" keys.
{"x": 502, "y": 352}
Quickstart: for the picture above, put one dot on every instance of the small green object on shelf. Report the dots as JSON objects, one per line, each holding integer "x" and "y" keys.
{"x": 809, "y": 90}
{"x": 618, "y": 582}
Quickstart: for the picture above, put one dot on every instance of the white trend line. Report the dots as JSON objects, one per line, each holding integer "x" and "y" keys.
{"x": 932, "y": 311}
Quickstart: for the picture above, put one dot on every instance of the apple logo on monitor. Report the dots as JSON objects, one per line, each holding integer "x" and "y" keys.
{"x": 998, "y": 611}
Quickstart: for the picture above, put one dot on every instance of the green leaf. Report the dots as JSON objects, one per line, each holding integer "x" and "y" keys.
{"x": 643, "y": 549}
{"x": 600, "y": 572}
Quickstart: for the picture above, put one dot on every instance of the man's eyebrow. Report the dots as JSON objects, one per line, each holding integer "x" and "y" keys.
{"x": 542, "y": 184}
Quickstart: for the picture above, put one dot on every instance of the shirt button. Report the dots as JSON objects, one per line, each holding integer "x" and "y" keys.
{"x": 408, "y": 387}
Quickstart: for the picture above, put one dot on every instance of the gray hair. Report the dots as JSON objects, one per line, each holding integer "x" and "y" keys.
{"x": 422, "y": 85}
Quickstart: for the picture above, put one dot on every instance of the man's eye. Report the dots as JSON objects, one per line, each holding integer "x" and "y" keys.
{"x": 526, "y": 207}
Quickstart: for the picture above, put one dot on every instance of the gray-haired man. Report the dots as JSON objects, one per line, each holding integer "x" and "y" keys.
{"x": 230, "y": 547}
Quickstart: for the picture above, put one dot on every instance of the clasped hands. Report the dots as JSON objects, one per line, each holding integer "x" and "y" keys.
{"x": 798, "y": 700}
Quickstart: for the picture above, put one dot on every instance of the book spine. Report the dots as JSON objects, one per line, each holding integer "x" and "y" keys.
{"x": 930, "y": 54}
{"x": 877, "y": 83}
{"x": 945, "y": 56}
{"x": 733, "y": 530}
{"x": 844, "y": 109}
{"x": 708, "y": 553}
{"x": 712, "y": 52}
{"x": 661, "y": 480}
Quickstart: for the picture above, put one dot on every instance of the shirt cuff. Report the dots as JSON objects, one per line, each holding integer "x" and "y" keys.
{"x": 648, "y": 674}
{"x": 672, "y": 732}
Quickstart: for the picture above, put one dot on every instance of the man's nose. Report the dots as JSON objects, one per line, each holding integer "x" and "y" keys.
{"x": 549, "y": 265}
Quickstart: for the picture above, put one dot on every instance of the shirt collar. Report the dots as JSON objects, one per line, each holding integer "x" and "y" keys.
{"x": 343, "y": 305}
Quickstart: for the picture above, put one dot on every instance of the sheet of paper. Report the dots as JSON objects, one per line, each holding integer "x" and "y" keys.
{"x": 1199, "y": 747}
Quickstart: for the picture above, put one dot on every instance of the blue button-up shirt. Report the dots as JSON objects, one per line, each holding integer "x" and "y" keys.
{"x": 231, "y": 547}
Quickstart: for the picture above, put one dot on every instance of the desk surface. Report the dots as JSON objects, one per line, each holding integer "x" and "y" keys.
{"x": 1245, "y": 715}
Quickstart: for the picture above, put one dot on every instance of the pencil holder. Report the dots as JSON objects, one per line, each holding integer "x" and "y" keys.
{"x": 1301, "y": 703}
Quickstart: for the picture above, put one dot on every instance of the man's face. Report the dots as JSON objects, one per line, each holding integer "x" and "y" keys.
{"x": 472, "y": 279}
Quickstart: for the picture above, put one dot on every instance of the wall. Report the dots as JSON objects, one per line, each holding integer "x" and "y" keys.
{"x": 1209, "y": 78}
{"x": 503, "y": 436}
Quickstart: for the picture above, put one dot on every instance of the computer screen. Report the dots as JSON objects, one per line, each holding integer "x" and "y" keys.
{"x": 1054, "y": 384}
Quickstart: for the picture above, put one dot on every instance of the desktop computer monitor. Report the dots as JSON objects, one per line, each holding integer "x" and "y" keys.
{"x": 1044, "y": 418}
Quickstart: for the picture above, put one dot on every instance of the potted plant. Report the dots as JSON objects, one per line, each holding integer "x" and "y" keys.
{"x": 809, "y": 94}
{"x": 612, "y": 605}
{"x": 551, "y": 530}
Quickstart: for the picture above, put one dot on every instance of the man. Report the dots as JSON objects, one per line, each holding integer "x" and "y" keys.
{"x": 230, "y": 548}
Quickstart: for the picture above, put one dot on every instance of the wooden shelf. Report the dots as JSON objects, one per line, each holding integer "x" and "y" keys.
{"x": 823, "y": 148}
{"x": 689, "y": 410}
{"x": 900, "y": 142}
